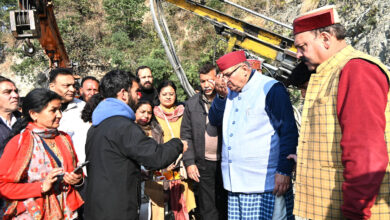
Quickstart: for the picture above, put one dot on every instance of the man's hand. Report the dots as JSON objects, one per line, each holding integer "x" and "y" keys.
{"x": 193, "y": 172}
{"x": 220, "y": 86}
{"x": 282, "y": 183}
{"x": 292, "y": 156}
{"x": 185, "y": 145}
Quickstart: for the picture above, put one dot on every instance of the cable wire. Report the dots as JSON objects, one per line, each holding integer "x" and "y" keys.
{"x": 155, "y": 6}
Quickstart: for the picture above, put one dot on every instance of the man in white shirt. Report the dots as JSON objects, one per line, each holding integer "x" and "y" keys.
{"x": 62, "y": 82}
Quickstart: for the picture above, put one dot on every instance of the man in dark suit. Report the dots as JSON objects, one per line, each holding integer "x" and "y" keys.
{"x": 9, "y": 101}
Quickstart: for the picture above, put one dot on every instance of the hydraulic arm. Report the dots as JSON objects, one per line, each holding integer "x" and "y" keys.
{"x": 238, "y": 33}
{"x": 35, "y": 19}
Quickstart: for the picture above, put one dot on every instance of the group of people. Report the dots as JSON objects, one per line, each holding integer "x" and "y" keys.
{"x": 230, "y": 149}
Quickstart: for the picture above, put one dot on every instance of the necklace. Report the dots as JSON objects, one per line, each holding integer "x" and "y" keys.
{"x": 52, "y": 145}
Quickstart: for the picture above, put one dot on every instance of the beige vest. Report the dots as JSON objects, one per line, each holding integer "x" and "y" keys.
{"x": 319, "y": 169}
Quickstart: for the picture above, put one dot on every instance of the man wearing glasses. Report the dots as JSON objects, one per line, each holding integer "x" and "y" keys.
{"x": 259, "y": 132}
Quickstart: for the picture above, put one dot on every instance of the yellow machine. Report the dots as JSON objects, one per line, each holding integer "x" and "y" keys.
{"x": 239, "y": 34}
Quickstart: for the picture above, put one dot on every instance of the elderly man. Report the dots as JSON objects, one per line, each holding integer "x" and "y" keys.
{"x": 259, "y": 132}
{"x": 343, "y": 148}
{"x": 89, "y": 87}
{"x": 203, "y": 157}
{"x": 9, "y": 100}
{"x": 144, "y": 74}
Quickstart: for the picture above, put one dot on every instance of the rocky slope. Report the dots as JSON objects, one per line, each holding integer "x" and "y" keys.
{"x": 367, "y": 22}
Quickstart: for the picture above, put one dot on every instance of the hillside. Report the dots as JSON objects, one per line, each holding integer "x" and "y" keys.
{"x": 103, "y": 34}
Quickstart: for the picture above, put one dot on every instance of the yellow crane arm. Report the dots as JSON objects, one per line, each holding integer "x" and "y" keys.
{"x": 247, "y": 36}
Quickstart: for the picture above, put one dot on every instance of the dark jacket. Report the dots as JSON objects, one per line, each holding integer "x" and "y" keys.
{"x": 193, "y": 127}
{"x": 157, "y": 131}
{"x": 5, "y": 131}
{"x": 151, "y": 95}
{"x": 116, "y": 148}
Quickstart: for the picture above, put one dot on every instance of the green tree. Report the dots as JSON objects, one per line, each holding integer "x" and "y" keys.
{"x": 125, "y": 15}
{"x": 5, "y": 6}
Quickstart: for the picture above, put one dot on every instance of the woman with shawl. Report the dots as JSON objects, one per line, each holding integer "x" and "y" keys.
{"x": 169, "y": 115}
{"x": 36, "y": 177}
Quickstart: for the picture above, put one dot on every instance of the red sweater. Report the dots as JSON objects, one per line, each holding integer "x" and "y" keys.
{"x": 361, "y": 104}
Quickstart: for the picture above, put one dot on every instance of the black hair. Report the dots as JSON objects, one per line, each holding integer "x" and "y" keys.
{"x": 86, "y": 113}
{"x": 141, "y": 68}
{"x": 88, "y": 78}
{"x": 198, "y": 87}
{"x": 142, "y": 101}
{"x": 167, "y": 83}
{"x": 58, "y": 71}
{"x": 206, "y": 68}
{"x": 114, "y": 81}
{"x": 299, "y": 76}
{"x": 21, "y": 100}
{"x": 4, "y": 79}
{"x": 164, "y": 84}
{"x": 338, "y": 30}
{"x": 35, "y": 101}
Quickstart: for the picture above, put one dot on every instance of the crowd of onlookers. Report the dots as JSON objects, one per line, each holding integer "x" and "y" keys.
{"x": 51, "y": 125}
{"x": 228, "y": 152}
{"x": 131, "y": 133}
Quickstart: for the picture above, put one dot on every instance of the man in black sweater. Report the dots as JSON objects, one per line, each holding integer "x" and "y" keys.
{"x": 203, "y": 158}
{"x": 116, "y": 148}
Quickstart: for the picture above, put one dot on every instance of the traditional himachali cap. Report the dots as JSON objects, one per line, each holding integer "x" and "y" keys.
{"x": 231, "y": 59}
{"x": 318, "y": 18}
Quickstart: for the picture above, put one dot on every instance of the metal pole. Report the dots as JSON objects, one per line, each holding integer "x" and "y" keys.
{"x": 258, "y": 14}
{"x": 168, "y": 47}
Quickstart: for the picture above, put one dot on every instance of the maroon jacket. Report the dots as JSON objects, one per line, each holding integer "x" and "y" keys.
{"x": 361, "y": 103}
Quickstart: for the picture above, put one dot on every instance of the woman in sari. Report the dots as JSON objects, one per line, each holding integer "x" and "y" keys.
{"x": 169, "y": 115}
{"x": 36, "y": 177}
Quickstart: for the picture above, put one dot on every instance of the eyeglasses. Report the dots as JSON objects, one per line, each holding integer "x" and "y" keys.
{"x": 227, "y": 76}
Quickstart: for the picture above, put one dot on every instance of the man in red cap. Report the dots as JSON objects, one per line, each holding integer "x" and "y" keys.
{"x": 258, "y": 132}
{"x": 343, "y": 146}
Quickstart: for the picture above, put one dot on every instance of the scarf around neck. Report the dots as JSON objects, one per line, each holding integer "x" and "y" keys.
{"x": 170, "y": 116}
{"x": 48, "y": 133}
{"x": 16, "y": 159}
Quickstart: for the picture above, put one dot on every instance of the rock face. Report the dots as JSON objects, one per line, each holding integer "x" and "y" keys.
{"x": 367, "y": 22}
{"x": 368, "y": 27}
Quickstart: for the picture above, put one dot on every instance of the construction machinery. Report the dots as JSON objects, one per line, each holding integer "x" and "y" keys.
{"x": 35, "y": 20}
{"x": 257, "y": 41}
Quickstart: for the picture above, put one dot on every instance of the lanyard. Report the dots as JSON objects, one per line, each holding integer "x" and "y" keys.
{"x": 52, "y": 154}
{"x": 169, "y": 126}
